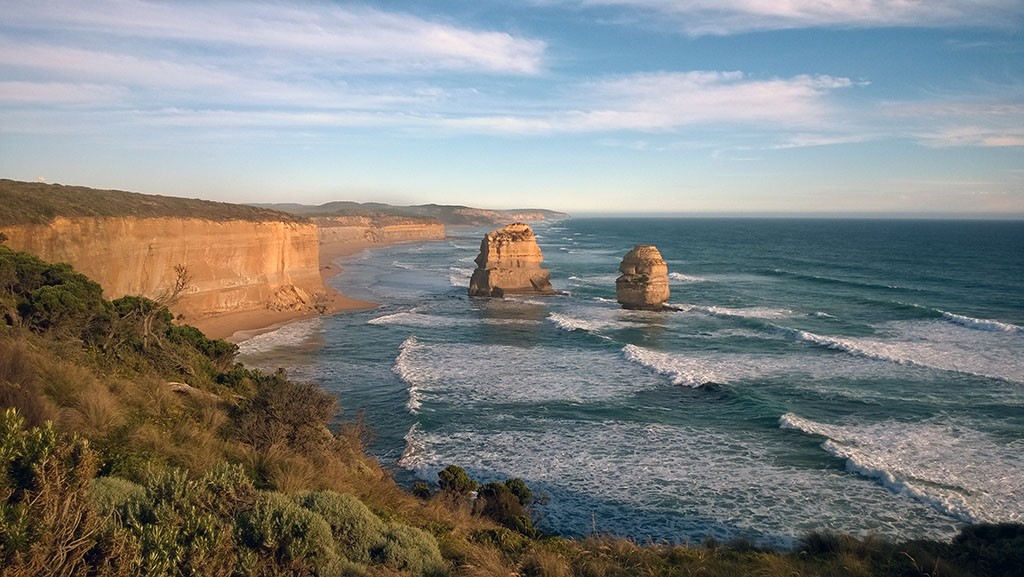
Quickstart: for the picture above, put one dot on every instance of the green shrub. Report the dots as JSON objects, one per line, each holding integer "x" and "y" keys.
{"x": 356, "y": 530}
{"x": 286, "y": 413}
{"x": 454, "y": 479}
{"x": 112, "y": 494}
{"x": 990, "y": 549}
{"x": 227, "y": 490}
{"x": 523, "y": 493}
{"x": 47, "y": 524}
{"x": 410, "y": 549}
{"x": 420, "y": 490}
{"x": 287, "y": 533}
{"x": 220, "y": 352}
{"x": 172, "y": 530}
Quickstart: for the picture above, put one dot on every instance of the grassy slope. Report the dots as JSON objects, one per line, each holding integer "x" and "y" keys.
{"x": 38, "y": 203}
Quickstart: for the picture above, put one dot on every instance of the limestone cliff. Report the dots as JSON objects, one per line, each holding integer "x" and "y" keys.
{"x": 377, "y": 230}
{"x": 235, "y": 265}
{"x": 508, "y": 263}
{"x": 644, "y": 281}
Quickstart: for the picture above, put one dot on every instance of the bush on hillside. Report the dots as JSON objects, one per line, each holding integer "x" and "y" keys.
{"x": 279, "y": 529}
{"x": 286, "y": 413}
{"x": 47, "y": 525}
{"x": 410, "y": 549}
{"x": 356, "y": 530}
{"x": 498, "y": 502}
{"x": 454, "y": 480}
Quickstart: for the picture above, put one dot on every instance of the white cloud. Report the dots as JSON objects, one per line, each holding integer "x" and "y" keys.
{"x": 990, "y": 123}
{"x": 669, "y": 101}
{"x": 361, "y": 37}
{"x": 34, "y": 93}
{"x": 721, "y": 17}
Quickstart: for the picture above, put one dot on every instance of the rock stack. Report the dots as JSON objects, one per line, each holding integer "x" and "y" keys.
{"x": 644, "y": 281}
{"x": 509, "y": 263}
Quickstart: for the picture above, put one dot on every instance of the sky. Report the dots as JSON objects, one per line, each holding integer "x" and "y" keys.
{"x": 900, "y": 107}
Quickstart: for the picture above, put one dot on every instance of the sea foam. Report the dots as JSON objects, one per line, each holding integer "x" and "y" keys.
{"x": 286, "y": 335}
{"x": 675, "y": 482}
{"x": 956, "y": 470}
{"x": 451, "y": 373}
{"x": 933, "y": 345}
{"x": 982, "y": 324}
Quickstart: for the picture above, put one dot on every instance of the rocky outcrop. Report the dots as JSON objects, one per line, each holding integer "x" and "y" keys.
{"x": 235, "y": 265}
{"x": 644, "y": 281}
{"x": 509, "y": 263}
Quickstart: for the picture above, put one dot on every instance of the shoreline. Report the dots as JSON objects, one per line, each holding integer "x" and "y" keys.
{"x": 236, "y": 327}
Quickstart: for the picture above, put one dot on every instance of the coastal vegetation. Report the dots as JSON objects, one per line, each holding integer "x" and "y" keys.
{"x": 131, "y": 445}
{"x": 40, "y": 203}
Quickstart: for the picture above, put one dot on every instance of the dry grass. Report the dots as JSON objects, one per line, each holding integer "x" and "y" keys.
{"x": 475, "y": 560}
{"x": 543, "y": 563}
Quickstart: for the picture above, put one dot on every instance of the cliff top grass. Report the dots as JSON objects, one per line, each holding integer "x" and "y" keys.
{"x": 40, "y": 203}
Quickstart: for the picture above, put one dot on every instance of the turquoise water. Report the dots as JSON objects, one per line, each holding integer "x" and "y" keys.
{"x": 860, "y": 376}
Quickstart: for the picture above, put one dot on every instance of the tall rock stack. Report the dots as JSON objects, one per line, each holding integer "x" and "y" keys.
{"x": 644, "y": 281}
{"x": 509, "y": 263}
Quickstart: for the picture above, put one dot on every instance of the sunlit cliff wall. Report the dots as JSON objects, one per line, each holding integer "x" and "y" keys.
{"x": 235, "y": 265}
{"x": 370, "y": 230}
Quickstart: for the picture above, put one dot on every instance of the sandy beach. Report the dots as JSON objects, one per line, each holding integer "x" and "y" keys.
{"x": 237, "y": 327}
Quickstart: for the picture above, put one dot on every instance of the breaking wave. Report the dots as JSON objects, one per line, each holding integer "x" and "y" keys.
{"x": 930, "y": 345}
{"x": 955, "y": 470}
{"x": 982, "y": 324}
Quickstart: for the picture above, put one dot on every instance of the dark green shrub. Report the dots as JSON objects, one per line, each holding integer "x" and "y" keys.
{"x": 356, "y": 530}
{"x": 523, "y": 493}
{"x": 220, "y": 352}
{"x": 421, "y": 490}
{"x": 498, "y": 502}
{"x": 454, "y": 479}
{"x": 990, "y": 549}
{"x": 284, "y": 412}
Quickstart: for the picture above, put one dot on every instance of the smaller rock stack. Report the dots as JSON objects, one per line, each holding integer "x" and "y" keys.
{"x": 644, "y": 281}
{"x": 509, "y": 263}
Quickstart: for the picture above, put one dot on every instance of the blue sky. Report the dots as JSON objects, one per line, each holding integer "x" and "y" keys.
{"x": 650, "y": 106}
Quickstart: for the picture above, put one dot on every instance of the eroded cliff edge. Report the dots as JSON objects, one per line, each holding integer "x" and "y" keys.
{"x": 235, "y": 265}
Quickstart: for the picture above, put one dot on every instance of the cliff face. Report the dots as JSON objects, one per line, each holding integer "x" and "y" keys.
{"x": 377, "y": 230}
{"x": 235, "y": 265}
{"x": 509, "y": 262}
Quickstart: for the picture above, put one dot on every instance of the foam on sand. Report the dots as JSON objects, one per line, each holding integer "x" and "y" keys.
{"x": 287, "y": 335}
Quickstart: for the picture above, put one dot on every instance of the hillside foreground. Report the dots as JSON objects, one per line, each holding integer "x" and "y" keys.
{"x": 131, "y": 445}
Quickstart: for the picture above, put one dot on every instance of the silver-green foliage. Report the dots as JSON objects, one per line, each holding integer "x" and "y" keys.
{"x": 356, "y": 530}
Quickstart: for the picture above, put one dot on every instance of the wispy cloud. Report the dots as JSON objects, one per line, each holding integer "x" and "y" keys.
{"x": 997, "y": 122}
{"x": 722, "y": 17}
{"x": 336, "y": 35}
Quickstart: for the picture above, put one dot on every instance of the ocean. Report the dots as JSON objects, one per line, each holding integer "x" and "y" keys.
{"x": 862, "y": 376}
